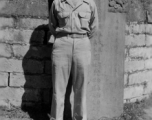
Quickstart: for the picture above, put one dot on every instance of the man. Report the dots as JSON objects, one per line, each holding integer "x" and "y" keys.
{"x": 72, "y": 23}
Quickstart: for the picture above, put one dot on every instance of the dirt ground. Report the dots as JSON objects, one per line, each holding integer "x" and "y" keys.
{"x": 140, "y": 110}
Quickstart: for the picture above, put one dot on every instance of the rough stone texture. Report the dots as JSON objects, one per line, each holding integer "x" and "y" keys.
{"x": 3, "y": 79}
{"x": 24, "y": 8}
{"x": 135, "y": 40}
{"x": 142, "y": 52}
{"x": 6, "y": 22}
{"x": 140, "y": 77}
{"x": 118, "y": 5}
{"x": 131, "y": 66}
{"x": 15, "y": 36}
{"x": 30, "y": 81}
{"x": 28, "y": 23}
{"x": 133, "y": 91}
{"x": 134, "y": 28}
{"x": 5, "y": 50}
{"x": 27, "y": 65}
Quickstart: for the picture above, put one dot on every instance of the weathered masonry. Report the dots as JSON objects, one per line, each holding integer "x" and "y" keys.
{"x": 25, "y": 56}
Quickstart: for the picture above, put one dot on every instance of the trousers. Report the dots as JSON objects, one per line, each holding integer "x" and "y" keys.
{"x": 70, "y": 55}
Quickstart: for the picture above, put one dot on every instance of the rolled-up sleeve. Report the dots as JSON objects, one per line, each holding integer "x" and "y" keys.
{"x": 52, "y": 19}
{"x": 93, "y": 21}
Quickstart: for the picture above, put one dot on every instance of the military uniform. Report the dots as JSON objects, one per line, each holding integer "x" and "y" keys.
{"x": 72, "y": 26}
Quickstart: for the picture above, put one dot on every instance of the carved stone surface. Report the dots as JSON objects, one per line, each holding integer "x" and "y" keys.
{"x": 118, "y": 5}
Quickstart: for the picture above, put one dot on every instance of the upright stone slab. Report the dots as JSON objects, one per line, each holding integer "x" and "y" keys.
{"x": 105, "y": 88}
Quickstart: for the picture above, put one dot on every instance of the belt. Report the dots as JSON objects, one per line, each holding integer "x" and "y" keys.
{"x": 72, "y": 35}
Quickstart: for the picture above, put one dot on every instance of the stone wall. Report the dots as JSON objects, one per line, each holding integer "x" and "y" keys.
{"x": 25, "y": 58}
{"x": 138, "y": 51}
{"x": 24, "y": 55}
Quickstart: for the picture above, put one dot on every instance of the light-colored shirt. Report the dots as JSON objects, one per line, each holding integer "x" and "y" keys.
{"x": 67, "y": 18}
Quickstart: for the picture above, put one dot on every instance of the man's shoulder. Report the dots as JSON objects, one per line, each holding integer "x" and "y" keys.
{"x": 57, "y": 1}
{"x": 91, "y": 2}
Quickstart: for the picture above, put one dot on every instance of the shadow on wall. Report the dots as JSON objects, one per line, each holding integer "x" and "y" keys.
{"x": 36, "y": 100}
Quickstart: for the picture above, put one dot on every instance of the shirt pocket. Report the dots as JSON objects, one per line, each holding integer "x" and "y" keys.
{"x": 84, "y": 19}
{"x": 63, "y": 18}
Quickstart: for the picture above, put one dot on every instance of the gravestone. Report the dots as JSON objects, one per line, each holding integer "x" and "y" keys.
{"x": 105, "y": 88}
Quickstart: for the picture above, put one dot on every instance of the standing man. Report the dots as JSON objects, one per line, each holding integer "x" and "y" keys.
{"x": 72, "y": 23}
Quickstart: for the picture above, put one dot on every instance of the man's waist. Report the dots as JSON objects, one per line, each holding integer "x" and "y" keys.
{"x": 72, "y": 35}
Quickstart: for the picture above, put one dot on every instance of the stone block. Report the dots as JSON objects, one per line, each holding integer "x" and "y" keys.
{"x": 134, "y": 66}
{"x": 24, "y": 7}
{"x": 135, "y": 40}
{"x": 133, "y": 91}
{"x": 148, "y": 64}
{"x": 30, "y": 81}
{"x": 31, "y": 23}
{"x": 140, "y": 52}
{"x": 148, "y": 29}
{"x": 6, "y": 22}
{"x": 148, "y": 40}
{"x": 5, "y": 50}
{"x": 10, "y": 65}
{"x": 26, "y": 66}
{"x": 136, "y": 11}
{"x": 48, "y": 67}
{"x": 140, "y": 77}
{"x": 30, "y": 51}
{"x": 12, "y": 93}
{"x": 3, "y": 79}
{"x": 19, "y": 95}
{"x": 15, "y": 36}
{"x": 32, "y": 66}
{"x": 134, "y": 28}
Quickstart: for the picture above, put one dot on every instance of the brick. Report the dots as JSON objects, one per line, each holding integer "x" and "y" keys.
{"x": 140, "y": 77}
{"x": 33, "y": 66}
{"x": 5, "y": 50}
{"x": 19, "y": 95}
{"x": 135, "y": 40}
{"x": 12, "y": 93}
{"x": 48, "y": 67}
{"x": 30, "y": 81}
{"x": 29, "y": 23}
{"x": 10, "y": 65}
{"x": 3, "y": 79}
{"x": 136, "y": 65}
{"x": 148, "y": 40}
{"x": 149, "y": 29}
{"x": 26, "y": 66}
{"x": 27, "y": 51}
{"x": 141, "y": 52}
{"x": 136, "y": 11}
{"x": 135, "y": 28}
{"x": 15, "y": 36}
{"x": 6, "y": 22}
{"x": 24, "y": 7}
{"x": 21, "y": 51}
{"x": 133, "y": 91}
{"x": 148, "y": 64}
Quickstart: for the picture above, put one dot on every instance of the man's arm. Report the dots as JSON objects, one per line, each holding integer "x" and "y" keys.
{"x": 93, "y": 21}
{"x": 52, "y": 20}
